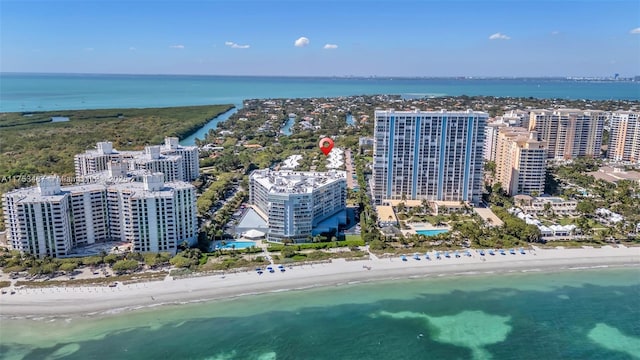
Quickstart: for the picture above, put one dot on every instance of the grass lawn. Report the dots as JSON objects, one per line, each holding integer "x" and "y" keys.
{"x": 350, "y": 237}
{"x": 572, "y": 221}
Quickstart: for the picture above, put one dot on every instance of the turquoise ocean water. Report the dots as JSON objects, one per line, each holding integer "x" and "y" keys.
{"x": 585, "y": 314}
{"x": 33, "y": 92}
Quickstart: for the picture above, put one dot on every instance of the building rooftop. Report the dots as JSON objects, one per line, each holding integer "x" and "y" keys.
{"x": 29, "y": 195}
{"x": 407, "y": 203}
{"x": 33, "y": 194}
{"x": 386, "y": 213}
{"x": 611, "y": 174}
{"x": 139, "y": 192}
{"x": 296, "y": 182}
{"x": 252, "y": 220}
{"x": 442, "y": 111}
{"x": 291, "y": 162}
{"x": 488, "y": 215}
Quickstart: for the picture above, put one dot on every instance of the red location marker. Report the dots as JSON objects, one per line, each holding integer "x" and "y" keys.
{"x": 326, "y": 145}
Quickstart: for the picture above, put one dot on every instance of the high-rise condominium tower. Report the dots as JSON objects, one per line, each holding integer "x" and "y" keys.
{"x": 569, "y": 133}
{"x": 624, "y": 142}
{"x": 520, "y": 161}
{"x": 428, "y": 155}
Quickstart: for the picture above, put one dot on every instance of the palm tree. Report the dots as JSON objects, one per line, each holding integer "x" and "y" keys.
{"x": 401, "y": 207}
{"x": 425, "y": 207}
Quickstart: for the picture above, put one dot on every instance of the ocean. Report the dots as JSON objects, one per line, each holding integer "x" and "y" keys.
{"x": 573, "y": 314}
{"x": 39, "y": 92}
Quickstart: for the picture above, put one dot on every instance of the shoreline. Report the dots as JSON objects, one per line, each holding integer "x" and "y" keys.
{"x": 108, "y": 301}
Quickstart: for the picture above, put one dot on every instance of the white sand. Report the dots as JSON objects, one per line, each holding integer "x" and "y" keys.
{"x": 85, "y": 300}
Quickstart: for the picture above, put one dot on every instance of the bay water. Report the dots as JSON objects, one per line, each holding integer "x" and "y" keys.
{"x": 39, "y": 92}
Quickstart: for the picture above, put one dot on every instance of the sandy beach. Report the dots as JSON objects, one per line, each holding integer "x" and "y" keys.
{"x": 104, "y": 300}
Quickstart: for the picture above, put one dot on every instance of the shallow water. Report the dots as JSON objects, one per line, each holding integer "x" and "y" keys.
{"x": 585, "y": 314}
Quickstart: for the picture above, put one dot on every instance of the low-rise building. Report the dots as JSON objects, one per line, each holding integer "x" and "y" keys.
{"x": 557, "y": 232}
{"x": 609, "y": 216}
{"x": 538, "y": 205}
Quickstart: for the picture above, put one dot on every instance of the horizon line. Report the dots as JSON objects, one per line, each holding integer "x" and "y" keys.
{"x": 467, "y": 77}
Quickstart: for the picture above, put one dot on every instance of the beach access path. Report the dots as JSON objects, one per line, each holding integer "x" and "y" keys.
{"x": 92, "y": 300}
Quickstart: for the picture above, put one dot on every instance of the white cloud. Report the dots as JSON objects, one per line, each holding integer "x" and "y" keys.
{"x": 88, "y": 49}
{"x": 555, "y": 33}
{"x": 635, "y": 31}
{"x": 499, "y": 36}
{"x": 330, "y": 46}
{"x": 301, "y": 42}
{"x": 177, "y": 46}
{"x": 236, "y": 46}
{"x": 132, "y": 48}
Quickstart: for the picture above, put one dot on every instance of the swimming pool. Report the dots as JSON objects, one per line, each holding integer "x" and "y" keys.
{"x": 238, "y": 245}
{"x": 431, "y": 232}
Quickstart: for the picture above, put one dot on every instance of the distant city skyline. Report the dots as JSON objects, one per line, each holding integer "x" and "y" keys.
{"x": 323, "y": 38}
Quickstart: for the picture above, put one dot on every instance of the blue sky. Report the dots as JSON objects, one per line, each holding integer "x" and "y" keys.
{"x": 346, "y": 37}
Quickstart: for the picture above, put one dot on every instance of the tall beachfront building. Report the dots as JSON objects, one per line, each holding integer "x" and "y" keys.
{"x": 176, "y": 162}
{"x": 569, "y": 133}
{"x": 190, "y": 157}
{"x": 520, "y": 161}
{"x": 428, "y": 155}
{"x": 96, "y": 160}
{"x": 154, "y": 161}
{"x": 153, "y": 215}
{"x": 37, "y": 220}
{"x": 491, "y": 140}
{"x": 50, "y": 220}
{"x": 624, "y": 140}
{"x": 296, "y": 202}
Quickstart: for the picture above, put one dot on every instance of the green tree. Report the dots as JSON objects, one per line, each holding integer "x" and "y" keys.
{"x": 377, "y": 245}
{"x": 288, "y": 252}
{"x": 586, "y": 208}
{"x": 401, "y": 207}
{"x": 181, "y": 261}
{"x": 151, "y": 260}
{"x": 92, "y": 260}
{"x": 68, "y": 267}
{"x": 111, "y": 259}
{"x": 121, "y": 266}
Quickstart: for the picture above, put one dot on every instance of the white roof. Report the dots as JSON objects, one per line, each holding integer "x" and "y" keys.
{"x": 254, "y": 234}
